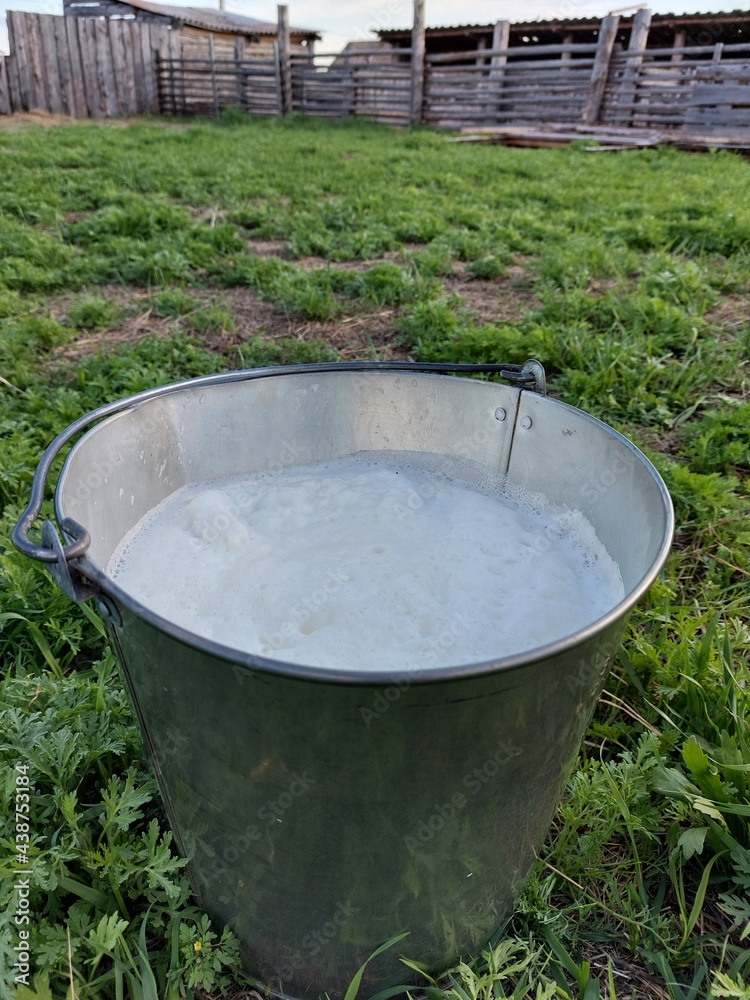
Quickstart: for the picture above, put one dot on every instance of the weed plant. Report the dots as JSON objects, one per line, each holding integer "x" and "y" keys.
{"x": 630, "y": 279}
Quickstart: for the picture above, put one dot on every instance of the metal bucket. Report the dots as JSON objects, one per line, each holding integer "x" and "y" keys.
{"x": 325, "y": 811}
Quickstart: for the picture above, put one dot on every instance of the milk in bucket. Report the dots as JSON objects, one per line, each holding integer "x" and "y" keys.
{"x": 369, "y": 560}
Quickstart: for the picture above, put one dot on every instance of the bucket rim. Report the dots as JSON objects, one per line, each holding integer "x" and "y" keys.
{"x": 351, "y": 676}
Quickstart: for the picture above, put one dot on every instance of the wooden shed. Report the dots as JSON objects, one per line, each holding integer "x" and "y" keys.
{"x": 204, "y": 32}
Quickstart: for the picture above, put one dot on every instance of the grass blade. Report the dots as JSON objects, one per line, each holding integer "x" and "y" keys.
{"x": 354, "y": 985}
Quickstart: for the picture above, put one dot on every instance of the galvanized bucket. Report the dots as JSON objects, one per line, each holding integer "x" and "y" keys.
{"x": 325, "y": 811}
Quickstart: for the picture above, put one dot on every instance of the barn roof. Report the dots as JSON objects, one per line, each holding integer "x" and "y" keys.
{"x": 216, "y": 20}
{"x": 391, "y": 34}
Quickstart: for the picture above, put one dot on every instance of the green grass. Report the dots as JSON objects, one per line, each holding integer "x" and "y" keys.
{"x": 631, "y": 279}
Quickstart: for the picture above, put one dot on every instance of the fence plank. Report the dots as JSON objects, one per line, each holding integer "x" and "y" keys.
{"x": 50, "y": 63}
{"x": 87, "y": 50}
{"x": 117, "y": 63}
{"x": 105, "y": 68}
{"x": 18, "y": 69}
{"x": 516, "y": 52}
{"x": 174, "y": 44}
{"x": 5, "y": 105}
{"x": 14, "y": 86}
{"x": 638, "y": 42}
{"x": 78, "y": 82}
{"x": 146, "y": 83}
{"x": 130, "y": 91}
{"x": 527, "y": 66}
{"x": 607, "y": 36}
{"x": 60, "y": 41}
{"x": 38, "y": 96}
{"x": 149, "y": 36}
{"x": 25, "y": 68}
{"x": 135, "y": 59}
{"x": 161, "y": 42}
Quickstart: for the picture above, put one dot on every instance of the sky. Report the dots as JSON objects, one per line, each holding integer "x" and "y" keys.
{"x": 346, "y": 20}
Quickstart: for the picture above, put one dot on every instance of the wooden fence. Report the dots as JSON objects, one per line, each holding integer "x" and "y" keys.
{"x": 103, "y": 68}
{"x": 324, "y": 85}
{"x": 374, "y": 83}
{"x": 207, "y": 86}
{"x": 699, "y": 90}
{"x": 704, "y": 91}
{"x": 508, "y": 85}
{"x": 83, "y": 67}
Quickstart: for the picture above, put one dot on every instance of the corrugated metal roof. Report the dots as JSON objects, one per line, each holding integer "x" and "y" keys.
{"x": 573, "y": 21}
{"x": 216, "y": 20}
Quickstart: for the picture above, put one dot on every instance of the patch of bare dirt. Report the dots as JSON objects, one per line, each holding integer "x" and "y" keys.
{"x": 732, "y": 312}
{"x": 267, "y": 248}
{"x": 600, "y": 286}
{"x": 315, "y": 263}
{"x": 126, "y": 298}
{"x": 505, "y": 299}
{"x": 363, "y": 335}
{"x": 29, "y": 119}
{"x": 667, "y": 443}
{"x": 129, "y": 331}
{"x": 368, "y": 335}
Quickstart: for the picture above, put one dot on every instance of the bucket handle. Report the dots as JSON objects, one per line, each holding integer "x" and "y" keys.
{"x": 57, "y": 556}
{"x": 60, "y": 557}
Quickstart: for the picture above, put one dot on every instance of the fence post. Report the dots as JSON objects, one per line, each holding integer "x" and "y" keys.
{"x": 285, "y": 60}
{"x": 500, "y": 40}
{"x": 678, "y": 43}
{"x": 239, "y": 55}
{"x": 600, "y": 72}
{"x": 350, "y": 92}
{"x": 417, "y": 64}
{"x": 172, "y": 85}
{"x": 214, "y": 88}
{"x": 638, "y": 42}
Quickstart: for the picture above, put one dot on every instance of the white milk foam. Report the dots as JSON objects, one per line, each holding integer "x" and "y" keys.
{"x": 368, "y": 562}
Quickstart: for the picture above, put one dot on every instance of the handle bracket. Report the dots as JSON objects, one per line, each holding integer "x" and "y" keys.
{"x": 64, "y": 573}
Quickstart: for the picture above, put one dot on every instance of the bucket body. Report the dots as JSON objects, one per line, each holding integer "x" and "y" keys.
{"x": 325, "y": 811}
